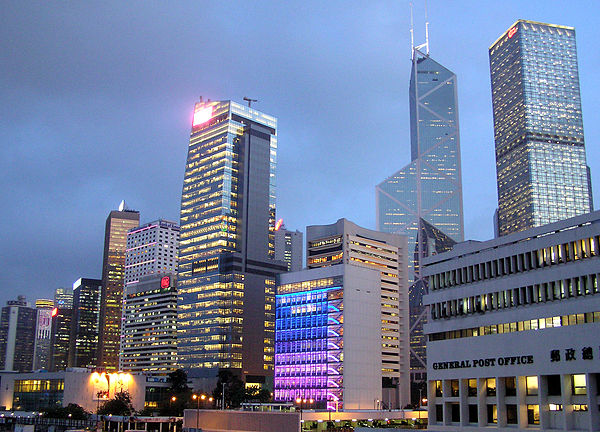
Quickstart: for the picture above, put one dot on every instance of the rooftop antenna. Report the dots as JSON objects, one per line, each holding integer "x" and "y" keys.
{"x": 426, "y": 44}
{"x": 412, "y": 33}
{"x": 247, "y": 99}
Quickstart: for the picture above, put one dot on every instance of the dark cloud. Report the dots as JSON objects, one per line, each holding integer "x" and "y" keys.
{"x": 97, "y": 100}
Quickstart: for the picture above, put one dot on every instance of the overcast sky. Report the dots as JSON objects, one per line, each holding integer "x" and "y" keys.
{"x": 97, "y": 100}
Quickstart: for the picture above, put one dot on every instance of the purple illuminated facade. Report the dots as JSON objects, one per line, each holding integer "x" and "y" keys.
{"x": 308, "y": 345}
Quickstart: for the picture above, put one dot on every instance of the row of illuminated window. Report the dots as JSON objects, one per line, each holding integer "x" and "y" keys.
{"x": 307, "y": 285}
{"x": 325, "y": 259}
{"x": 534, "y": 324}
{"x": 37, "y": 385}
{"x": 514, "y": 297}
{"x": 522, "y": 262}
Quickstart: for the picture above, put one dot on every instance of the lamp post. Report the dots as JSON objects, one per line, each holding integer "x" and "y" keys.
{"x": 197, "y": 398}
{"x": 301, "y": 402}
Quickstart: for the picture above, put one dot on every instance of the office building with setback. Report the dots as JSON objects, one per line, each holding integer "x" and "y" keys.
{"x": 541, "y": 166}
{"x": 514, "y": 331}
{"x": 288, "y": 247}
{"x": 347, "y": 243}
{"x": 118, "y": 223}
{"x": 226, "y": 276}
{"x": 423, "y": 200}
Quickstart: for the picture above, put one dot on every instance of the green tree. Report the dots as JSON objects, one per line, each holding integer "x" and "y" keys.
{"x": 120, "y": 405}
{"x": 178, "y": 396}
{"x": 76, "y": 412}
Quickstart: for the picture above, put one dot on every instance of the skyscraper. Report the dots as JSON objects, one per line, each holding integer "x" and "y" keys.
{"x": 151, "y": 249}
{"x": 41, "y": 354}
{"x": 347, "y": 243}
{"x": 149, "y": 333}
{"x": 17, "y": 335}
{"x": 226, "y": 276}
{"x": 424, "y": 199}
{"x": 85, "y": 329}
{"x": 541, "y": 165}
{"x": 118, "y": 223}
{"x": 61, "y": 337}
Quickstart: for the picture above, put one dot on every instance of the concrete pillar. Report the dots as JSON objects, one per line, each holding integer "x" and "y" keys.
{"x": 593, "y": 408}
{"x": 521, "y": 402}
{"x": 500, "y": 401}
{"x": 481, "y": 403}
{"x": 463, "y": 401}
{"x": 543, "y": 402}
{"x": 567, "y": 397}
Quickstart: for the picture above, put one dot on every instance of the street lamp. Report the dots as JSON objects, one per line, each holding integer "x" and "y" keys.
{"x": 198, "y": 399}
{"x": 301, "y": 402}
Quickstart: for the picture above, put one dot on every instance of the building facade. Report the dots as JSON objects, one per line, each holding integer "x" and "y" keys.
{"x": 226, "y": 276}
{"x": 151, "y": 249}
{"x": 63, "y": 297}
{"x": 60, "y": 338}
{"x": 43, "y": 334}
{"x": 85, "y": 323}
{"x": 541, "y": 165}
{"x": 288, "y": 247}
{"x": 423, "y": 200}
{"x": 118, "y": 223}
{"x": 17, "y": 335}
{"x": 514, "y": 331}
{"x": 149, "y": 333}
{"x": 347, "y": 243}
{"x": 328, "y": 345}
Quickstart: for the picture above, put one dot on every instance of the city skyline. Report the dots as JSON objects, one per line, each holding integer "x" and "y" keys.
{"x": 53, "y": 120}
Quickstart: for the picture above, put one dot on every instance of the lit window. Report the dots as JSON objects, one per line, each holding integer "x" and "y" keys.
{"x": 579, "y": 384}
{"x": 532, "y": 385}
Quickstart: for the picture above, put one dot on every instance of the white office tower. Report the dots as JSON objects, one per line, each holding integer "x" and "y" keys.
{"x": 151, "y": 248}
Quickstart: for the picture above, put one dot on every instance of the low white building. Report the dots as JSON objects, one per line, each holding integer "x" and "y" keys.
{"x": 514, "y": 331}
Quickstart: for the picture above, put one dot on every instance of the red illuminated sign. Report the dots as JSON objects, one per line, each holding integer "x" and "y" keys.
{"x": 278, "y": 224}
{"x": 202, "y": 115}
{"x": 512, "y": 32}
{"x": 54, "y": 312}
{"x": 165, "y": 282}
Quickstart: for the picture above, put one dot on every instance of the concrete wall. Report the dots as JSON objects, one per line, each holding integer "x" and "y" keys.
{"x": 362, "y": 340}
{"x": 241, "y": 421}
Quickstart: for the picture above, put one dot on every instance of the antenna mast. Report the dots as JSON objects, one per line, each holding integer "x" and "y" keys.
{"x": 426, "y": 28}
{"x": 412, "y": 33}
{"x": 426, "y": 44}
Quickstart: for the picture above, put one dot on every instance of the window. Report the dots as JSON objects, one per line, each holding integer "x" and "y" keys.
{"x": 554, "y": 385}
{"x": 490, "y": 384}
{"x": 580, "y": 407}
{"x": 454, "y": 388}
{"x": 439, "y": 413}
{"x": 511, "y": 414}
{"x": 473, "y": 415}
{"x": 472, "y": 387}
{"x": 455, "y": 412}
{"x": 533, "y": 414}
{"x": 510, "y": 383}
{"x": 555, "y": 407}
{"x": 579, "y": 384}
{"x": 532, "y": 385}
{"x": 438, "y": 388}
{"x": 492, "y": 414}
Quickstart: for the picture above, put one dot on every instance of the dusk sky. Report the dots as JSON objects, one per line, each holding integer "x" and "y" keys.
{"x": 97, "y": 101}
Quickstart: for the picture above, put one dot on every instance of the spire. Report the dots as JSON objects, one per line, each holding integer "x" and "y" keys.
{"x": 123, "y": 206}
{"x": 412, "y": 35}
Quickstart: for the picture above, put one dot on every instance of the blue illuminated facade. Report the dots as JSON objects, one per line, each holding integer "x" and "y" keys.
{"x": 308, "y": 345}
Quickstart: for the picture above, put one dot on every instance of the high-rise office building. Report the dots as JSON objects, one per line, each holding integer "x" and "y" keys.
{"x": 226, "y": 276}
{"x": 151, "y": 248}
{"x": 149, "y": 333}
{"x": 41, "y": 354}
{"x": 85, "y": 323}
{"x": 118, "y": 223}
{"x": 424, "y": 199}
{"x": 347, "y": 243}
{"x": 17, "y": 335}
{"x": 61, "y": 338}
{"x": 288, "y": 247}
{"x": 541, "y": 165}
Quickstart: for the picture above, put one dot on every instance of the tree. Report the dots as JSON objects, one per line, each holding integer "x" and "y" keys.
{"x": 72, "y": 411}
{"x": 178, "y": 381}
{"x": 235, "y": 393}
{"x": 178, "y": 395}
{"x": 120, "y": 405}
